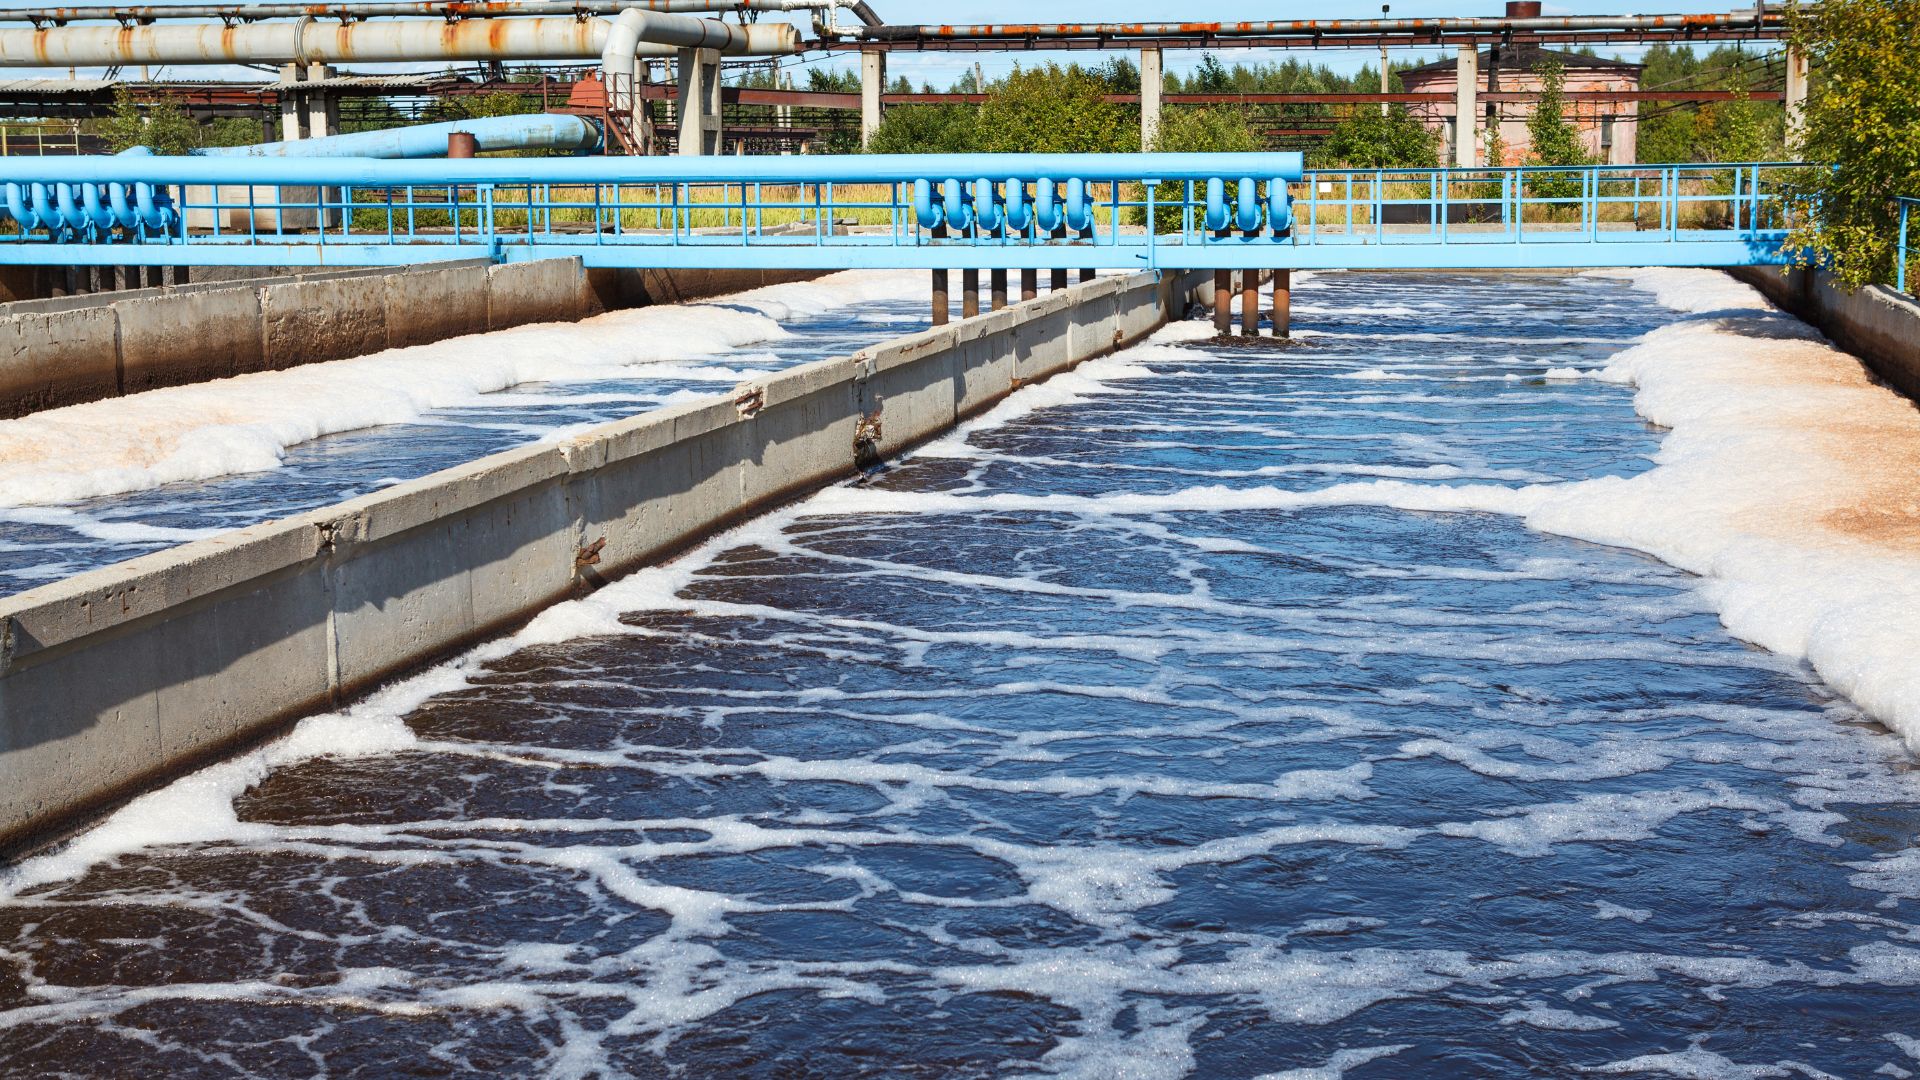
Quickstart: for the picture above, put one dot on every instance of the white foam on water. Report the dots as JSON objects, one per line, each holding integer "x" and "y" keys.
{"x": 1337, "y": 1065}
{"x": 246, "y": 423}
{"x": 1785, "y": 481}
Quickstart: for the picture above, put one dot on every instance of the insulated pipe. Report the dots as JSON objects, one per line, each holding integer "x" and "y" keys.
{"x": 544, "y": 131}
{"x": 308, "y": 42}
{"x": 451, "y": 9}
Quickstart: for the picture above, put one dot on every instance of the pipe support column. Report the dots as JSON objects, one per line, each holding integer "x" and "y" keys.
{"x": 1249, "y": 303}
{"x": 1223, "y": 302}
{"x": 969, "y": 293}
{"x": 997, "y": 284}
{"x": 1283, "y": 303}
{"x": 1029, "y": 285}
{"x": 1466, "y": 135}
{"x": 1152, "y": 84}
{"x": 873, "y": 83}
{"x": 699, "y": 111}
{"x": 1796, "y": 100}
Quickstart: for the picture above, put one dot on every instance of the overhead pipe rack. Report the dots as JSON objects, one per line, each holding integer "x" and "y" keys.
{"x": 140, "y": 15}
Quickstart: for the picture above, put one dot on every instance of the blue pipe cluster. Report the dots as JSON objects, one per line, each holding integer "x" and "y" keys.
{"x": 988, "y": 207}
{"x": 79, "y": 209}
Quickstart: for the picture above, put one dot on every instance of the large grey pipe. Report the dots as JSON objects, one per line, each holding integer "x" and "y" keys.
{"x": 540, "y": 131}
{"x": 310, "y": 42}
{"x": 454, "y": 9}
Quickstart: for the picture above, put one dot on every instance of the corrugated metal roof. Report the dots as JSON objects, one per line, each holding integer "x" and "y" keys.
{"x": 56, "y": 86}
{"x": 378, "y": 81}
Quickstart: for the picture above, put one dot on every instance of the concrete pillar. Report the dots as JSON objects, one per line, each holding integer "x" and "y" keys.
{"x": 1223, "y": 302}
{"x": 700, "y": 134}
{"x": 969, "y": 293}
{"x": 1384, "y": 82}
{"x": 1466, "y": 136}
{"x": 1796, "y": 98}
{"x": 1282, "y": 303}
{"x": 319, "y": 121}
{"x": 1152, "y": 81}
{"x": 290, "y": 120}
{"x": 873, "y": 83}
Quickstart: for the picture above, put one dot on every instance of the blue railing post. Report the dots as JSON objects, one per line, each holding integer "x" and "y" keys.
{"x": 1900, "y": 267}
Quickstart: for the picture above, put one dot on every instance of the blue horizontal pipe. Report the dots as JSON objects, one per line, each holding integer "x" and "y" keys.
{"x": 851, "y": 169}
{"x": 541, "y": 131}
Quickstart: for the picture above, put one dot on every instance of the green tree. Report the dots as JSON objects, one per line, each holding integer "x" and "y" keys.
{"x": 928, "y": 129}
{"x": 1368, "y": 140}
{"x": 1551, "y": 139}
{"x": 1217, "y": 130}
{"x": 160, "y": 125}
{"x": 1738, "y": 130}
{"x": 1055, "y": 110}
{"x": 1863, "y": 118}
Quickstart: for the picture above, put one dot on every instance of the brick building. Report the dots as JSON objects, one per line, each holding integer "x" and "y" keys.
{"x": 1608, "y": 129}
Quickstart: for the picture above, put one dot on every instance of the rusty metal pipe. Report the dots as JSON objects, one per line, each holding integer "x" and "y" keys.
{"x": 1328, "y": 27}
{"x": 308, "y": 42}
{"x": 447, "y": 9}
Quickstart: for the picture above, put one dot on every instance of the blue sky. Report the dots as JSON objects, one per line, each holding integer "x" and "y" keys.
{"x": 942, "y": 69}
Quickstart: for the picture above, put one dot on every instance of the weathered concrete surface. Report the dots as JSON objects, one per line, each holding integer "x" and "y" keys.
{"x": 50, "y": 359}
{"x": 119, "y": 678}
{"x": 1877, "y": 324}
{"x": 530, "y": 292}
{"x": 67, "y": 350}
{"x": 428, "y": 307}
{"x": 316, "y": 321}
{"x": 166, "y": 340}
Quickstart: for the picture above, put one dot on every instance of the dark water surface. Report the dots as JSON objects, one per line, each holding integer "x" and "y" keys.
{"x": 39, "y": 544}
{"x": 1157, "y": 777}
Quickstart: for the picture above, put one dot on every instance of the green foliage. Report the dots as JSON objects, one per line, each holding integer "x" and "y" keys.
{"x": 1055, "y": 110}
{"x": 231, "y": 131}
{"x": 833, "y": 82}
{"x": 1196, "y": 131}
{"x": 1551, "y": 139}
{"x": 1740, "y": 130}
{"x": 162, "y": 126}
{"x": 928, "y": 129}
{"x": 1368, "y": 140}
{"x": 1864, "y": 118}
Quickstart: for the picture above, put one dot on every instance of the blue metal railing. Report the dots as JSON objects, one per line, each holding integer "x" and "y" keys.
{"x": 1174, "y": 211}
{"x": 1907, "y": 205}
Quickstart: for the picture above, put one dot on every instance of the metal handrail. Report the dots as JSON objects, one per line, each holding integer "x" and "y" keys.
{"x": 1907, "y": 205}
{"x": 985, "y": 211}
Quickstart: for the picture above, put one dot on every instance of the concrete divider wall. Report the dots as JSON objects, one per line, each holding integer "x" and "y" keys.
{"x": 1877, "y": 324}
{"x": 118, "y": 678}
{"x": 72, "y": 349}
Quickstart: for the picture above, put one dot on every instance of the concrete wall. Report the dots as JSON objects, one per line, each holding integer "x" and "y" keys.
{"x": 67, "y": 350}
{"x": 119, "y": 678}
{"x": 1877, "y": 324}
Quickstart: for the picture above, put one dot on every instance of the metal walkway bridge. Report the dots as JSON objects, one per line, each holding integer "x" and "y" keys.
{"x": 964, "y": 212}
